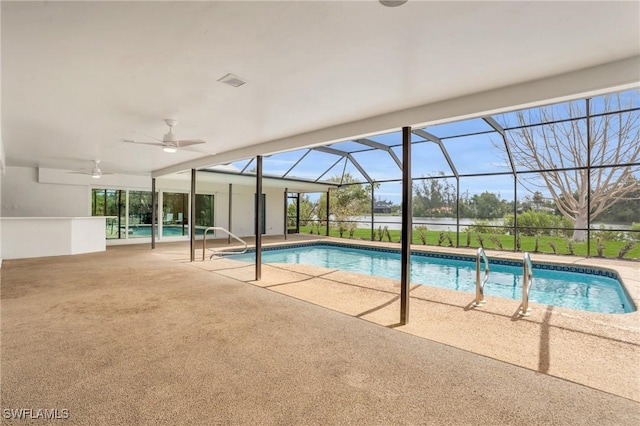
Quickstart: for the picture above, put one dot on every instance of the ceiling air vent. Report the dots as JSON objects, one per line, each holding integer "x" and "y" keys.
{"x": 232, "y": 80}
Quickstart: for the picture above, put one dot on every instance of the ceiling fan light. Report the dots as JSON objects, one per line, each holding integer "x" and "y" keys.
{"x": 169, "y": 149}
{"x": 392, "y": 3}
{"x": 95, "y": 176}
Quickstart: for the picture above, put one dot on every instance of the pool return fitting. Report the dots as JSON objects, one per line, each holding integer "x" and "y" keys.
{"x": 219, "y": 253}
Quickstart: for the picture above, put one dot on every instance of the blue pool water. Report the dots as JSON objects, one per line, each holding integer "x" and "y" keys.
{"x": 576, "y": 288}
{"x": 167, "y": 230}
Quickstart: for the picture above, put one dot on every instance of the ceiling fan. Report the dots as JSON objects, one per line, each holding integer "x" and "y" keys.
{"x": 169, "y": 143}
{"x": 95, "y": 172}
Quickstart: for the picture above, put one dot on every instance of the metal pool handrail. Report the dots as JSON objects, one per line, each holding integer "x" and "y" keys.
{"x": 527, "y": 281}
{"x": 218, "y": 228}
{"x": 481, "y": 256}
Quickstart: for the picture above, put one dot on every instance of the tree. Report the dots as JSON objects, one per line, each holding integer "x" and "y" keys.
{"x": 434, "y": 197}
{"x": 562, "y": 144}
{"x": 537, "y": 199}
{"x": 346, "y": 201}
{"x": 140, "y": 207}
{"x": 627, "y": 210}
{"x": 204, "y": 210}
{"x": 488, "y": 205}
{"x": 307, "y": 210}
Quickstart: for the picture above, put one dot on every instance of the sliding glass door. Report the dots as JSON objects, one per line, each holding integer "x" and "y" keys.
{"x": 175, "y": 214}
{"x": 112, "y": 204}
{"x": 204, "y": 212}
{"x": 129, "y": 213}
{"x": 140, "y": 209}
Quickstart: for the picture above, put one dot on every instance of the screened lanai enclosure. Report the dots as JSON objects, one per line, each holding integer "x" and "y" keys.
{"x": 561, "y": 178}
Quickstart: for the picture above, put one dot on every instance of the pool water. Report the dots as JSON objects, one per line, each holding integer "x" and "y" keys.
{"x": 589, "y": 292}
{"x": 167, "y": 230}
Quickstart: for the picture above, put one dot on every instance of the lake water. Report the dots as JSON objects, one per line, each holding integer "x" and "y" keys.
{"x": 444, "y": 223}
{"x": 433, "y": 223}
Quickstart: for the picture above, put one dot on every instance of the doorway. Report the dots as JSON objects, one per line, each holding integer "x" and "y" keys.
{"x": 175, "y": 214}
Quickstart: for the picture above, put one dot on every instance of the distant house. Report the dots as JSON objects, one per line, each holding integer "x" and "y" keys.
{"x": 443, "y": 209}
{"x": 382, "y": 207}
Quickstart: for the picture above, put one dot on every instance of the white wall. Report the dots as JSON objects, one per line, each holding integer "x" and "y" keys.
{"x": 242, "y": 223}
{"x": 26, "y": 237}
{"x": 32, "y": 192}
{"x": 2, "y": 159}
{"x": 23, "y": 196}
{"x": 243, "y": 211}
{"x": 1, "y": 173}
{"x": 2, "y": 163}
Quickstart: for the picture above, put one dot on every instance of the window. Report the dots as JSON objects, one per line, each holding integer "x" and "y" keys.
{"x": 140, "y": 210}
{"x": 112, "y": 204}
{"x": 115, "y": 203}
{"x": 205, "y": 208}
{"x": 175, "y": 214}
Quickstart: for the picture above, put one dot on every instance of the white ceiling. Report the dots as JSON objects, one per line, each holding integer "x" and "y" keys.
{"x": 79, "y": 76}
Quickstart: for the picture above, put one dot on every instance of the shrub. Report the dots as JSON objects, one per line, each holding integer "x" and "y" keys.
{"x": 480, "y": 240}
{"x": 569, "y": 242}
{"x": 480, "y": 226}
{"x": 342, "y": 228}
{"x": 624, "y": 250}
{"x": 351, "y": 227}
{"x": 422, "y": 233}
{"x": 606, "y": 235}
{"x": 386, "y": 232}
{"x": 554, "y": 247}
{"x": 440, "y": 238}
{"x": 495, "y": 240}
{"x": 468, "y": 238}
{"x": 600, "y": 246}
{"x": 380, "y": 233}
{"x": 531, "y": 223}
{"x": 635, "y": 232}
{"x": 314, "y": 227}
{"x": 448, "y": 237}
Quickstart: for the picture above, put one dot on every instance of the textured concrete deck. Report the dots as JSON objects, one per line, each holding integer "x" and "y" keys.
{"x": 598, "y": 350}
{"x": 132, "y": 336}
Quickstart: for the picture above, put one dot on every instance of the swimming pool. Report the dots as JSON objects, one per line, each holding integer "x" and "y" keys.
{"x": 573, "y": 287}
{"x": 167, "y": 230}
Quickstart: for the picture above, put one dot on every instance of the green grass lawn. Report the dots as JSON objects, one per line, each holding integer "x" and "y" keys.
{"x": 527, "y": 243}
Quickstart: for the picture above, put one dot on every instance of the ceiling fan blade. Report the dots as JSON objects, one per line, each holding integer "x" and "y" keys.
{"x": 95, "y": 172}
{"x": 194, "y": 149}
{"x": 187, "y": 142}
{"x": 141, "y": 143}
{"x": 90, "y": 173}
{"x": 150, "y": 137}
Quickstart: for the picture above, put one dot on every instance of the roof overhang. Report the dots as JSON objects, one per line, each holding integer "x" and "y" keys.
{"x": 618, "y": 75}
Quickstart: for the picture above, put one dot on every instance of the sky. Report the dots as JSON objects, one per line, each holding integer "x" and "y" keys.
{"x": 472, "y": 154}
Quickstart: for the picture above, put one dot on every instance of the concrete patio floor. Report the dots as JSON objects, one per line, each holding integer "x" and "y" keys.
{"x": 597, "y": 350}
{"x": 134, "y": 336}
